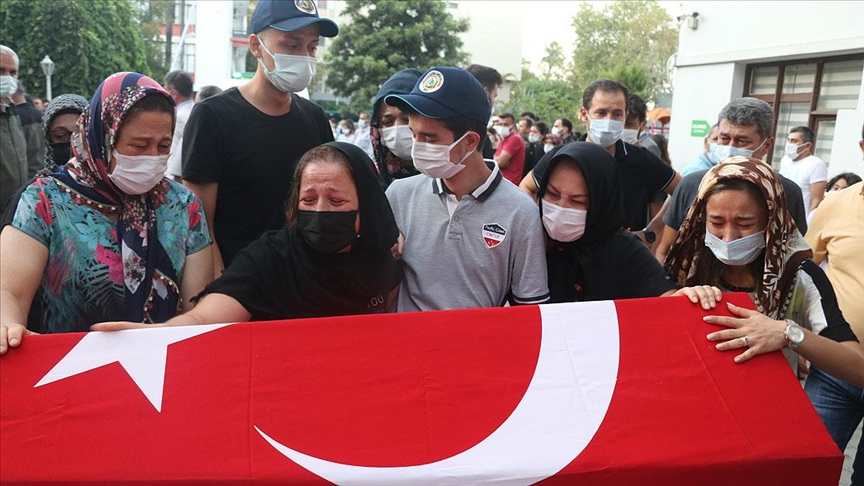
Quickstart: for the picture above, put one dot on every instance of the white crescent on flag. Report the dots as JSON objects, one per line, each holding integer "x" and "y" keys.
{"x": 560, "y": 412}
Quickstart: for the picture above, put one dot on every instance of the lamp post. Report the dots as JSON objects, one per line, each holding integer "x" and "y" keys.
{"x": 47, "y": 68}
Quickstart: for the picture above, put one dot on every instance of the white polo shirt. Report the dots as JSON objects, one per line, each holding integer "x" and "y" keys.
{"x": 804, "y": 171}
{"x": 488, "y": 248}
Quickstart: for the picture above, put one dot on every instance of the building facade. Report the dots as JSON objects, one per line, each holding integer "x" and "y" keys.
{"x": 805, "y": 59}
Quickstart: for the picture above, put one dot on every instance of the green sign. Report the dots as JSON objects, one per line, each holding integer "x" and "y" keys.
{"x": 241, "y": 75}
{"x": 699, "y": 128}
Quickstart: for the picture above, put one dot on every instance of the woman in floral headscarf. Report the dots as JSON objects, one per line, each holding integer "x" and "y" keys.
{"x": 739, "y": 236}
{"x": 106, "y": 237}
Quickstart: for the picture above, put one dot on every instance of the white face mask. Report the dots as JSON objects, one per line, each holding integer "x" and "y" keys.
{"x": 137, "y": 174}
{"x": 503, "y": 131}
{"x": 399, "y": 140}
{"x": 533, "y": 138}
{"x": 345, "y": 130}
{"x": 8, "y": 86}
{"x": 605, "y": 132}
{"x": 361, "y": 123}
{"x": 713, "y": 156}
{"x": 563, "y": 224}
{"x": 434, "y": 160}
{"x": 630, "y": 135}
{"x": 792, "y": 152}
{"x": 292, "y": 74}
{"x": 737, "y": 252}
{"x": 723, "y": 152}
{"x": 548, "y": 147}
{"x": 556, "y": 131}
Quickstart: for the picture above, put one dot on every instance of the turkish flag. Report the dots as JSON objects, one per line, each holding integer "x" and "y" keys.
{"x": 618, "y": 393}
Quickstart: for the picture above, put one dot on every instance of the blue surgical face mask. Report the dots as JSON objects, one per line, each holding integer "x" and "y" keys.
{"x": 605, "y": 132}
{"x": 723, "y": 152}
{"x": 712, "y": 153}
{"x": 737, "y": 252}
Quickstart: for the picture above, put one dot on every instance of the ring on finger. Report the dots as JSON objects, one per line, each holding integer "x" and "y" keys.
{"x": 746, "y": 341}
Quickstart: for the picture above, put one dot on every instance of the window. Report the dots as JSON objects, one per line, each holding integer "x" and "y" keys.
{"x": 806, "y": 92}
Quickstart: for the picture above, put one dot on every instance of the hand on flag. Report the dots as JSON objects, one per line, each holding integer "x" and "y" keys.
{"x": 755, "y": 332}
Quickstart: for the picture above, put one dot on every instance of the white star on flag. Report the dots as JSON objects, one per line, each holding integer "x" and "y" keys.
{"x": 141, "y": 352}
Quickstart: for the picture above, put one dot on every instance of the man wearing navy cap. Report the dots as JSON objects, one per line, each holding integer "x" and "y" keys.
{"x": 240, "y": 148}
{"x": 472, "y": 238}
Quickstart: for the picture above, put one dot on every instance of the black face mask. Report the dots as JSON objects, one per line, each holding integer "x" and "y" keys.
{"x": 326, "y": 231}
{"x": 61, "y": 152}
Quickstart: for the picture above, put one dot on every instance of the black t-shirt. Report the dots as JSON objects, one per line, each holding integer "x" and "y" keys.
{"x": 252, "y": 156}
{"x": 620, "y": 267}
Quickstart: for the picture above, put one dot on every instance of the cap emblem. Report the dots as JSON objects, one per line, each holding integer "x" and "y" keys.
{"x": 306, "y": 6}
{"x": 432, "y": 82}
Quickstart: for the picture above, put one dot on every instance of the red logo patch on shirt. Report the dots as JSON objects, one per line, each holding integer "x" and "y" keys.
{"x": 493, "y": 235}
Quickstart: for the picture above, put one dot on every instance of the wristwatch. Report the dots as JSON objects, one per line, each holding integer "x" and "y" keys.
{"x": 650, "y": 236}
{"x": 794, "y": 333}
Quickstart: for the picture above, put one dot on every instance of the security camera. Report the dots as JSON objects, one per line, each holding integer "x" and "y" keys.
{"x": 694, "y": 14}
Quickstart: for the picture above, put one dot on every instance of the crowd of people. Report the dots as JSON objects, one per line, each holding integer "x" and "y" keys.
{"x": 147, "y": 205}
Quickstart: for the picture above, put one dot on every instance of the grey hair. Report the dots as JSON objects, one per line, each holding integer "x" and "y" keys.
{"x": 750, "y": 112}
{"x": 8, "y": 51}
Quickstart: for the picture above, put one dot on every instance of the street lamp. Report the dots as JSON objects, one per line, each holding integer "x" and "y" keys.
{"x": 47, "y": 68}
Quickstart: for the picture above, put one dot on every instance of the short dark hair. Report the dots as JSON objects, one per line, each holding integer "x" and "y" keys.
{"x": 458, "y": 125}
{"x": 530, "y": 115}
{"x": 528, "y": 121}
{"x": 750, "y": 112}
{"x": 806, "y": 133}
{"x": 208, "y": 91}
{"x": 317, "y": 154}
{"x": 542, "y": 127}
{"x": 489, "y": 77}
{"x": 636, "y": 107}
{"x": 507, "y": 115}
{"x": 607, "y": 85}
{"x": 567, "y": 124}
{"x": 180, "y": 82}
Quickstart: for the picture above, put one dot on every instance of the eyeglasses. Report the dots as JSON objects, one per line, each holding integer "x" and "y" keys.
{"x": 59, "y": 135}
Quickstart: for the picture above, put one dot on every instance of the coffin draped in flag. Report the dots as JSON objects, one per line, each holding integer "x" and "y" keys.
{"x": 618, "y": 393}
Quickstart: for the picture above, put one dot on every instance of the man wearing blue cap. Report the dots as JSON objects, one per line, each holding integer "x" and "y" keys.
{"x": 240, "y": 148}
{"x": 472, "y": 238}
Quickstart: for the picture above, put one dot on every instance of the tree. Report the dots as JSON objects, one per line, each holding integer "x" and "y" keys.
{"x": 631, "y": 75}
{"x": 87, "y": 40}
{"x": 554, "y": 61}
{"x": 381, "y": 38}
{"x": 634, "y": 32}
{"x": 549, "y": 99}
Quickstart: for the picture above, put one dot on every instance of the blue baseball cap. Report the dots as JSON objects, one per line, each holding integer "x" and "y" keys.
{"x": 445, "y": 92}
{"x": 290, "y": 15}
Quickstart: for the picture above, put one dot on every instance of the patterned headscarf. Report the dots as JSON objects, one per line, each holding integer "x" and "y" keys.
{"x": 152, "y": 293}
{"x": 61, "y": 105}
{"x": 785, "y": 248}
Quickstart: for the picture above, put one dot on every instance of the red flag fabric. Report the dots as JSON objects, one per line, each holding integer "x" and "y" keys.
{"x": 618, "y": 393}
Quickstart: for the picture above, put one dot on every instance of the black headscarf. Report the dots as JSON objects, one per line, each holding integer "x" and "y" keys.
{"x": 605, "y": 206}
{"x": 588, "y": 268}
{"x": 280, "y": 277}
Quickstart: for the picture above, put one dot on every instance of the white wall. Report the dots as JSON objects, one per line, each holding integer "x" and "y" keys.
{"x": 214, "y": 22}
{"x": 700, "y": 93}
{"x": 751, "y": 30}
{"x": 712, "y": 59}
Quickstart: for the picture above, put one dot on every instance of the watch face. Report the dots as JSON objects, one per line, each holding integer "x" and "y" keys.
{"x": 795, "y": 333}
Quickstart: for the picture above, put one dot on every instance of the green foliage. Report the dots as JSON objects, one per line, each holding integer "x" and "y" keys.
{"x": 87, "y": 39}
{"x": 547, "y": 98}
{"x": 631, "y": 75}
{"x": 625, "y": 33}
{"x": 381, "y": 38}
{"x": 554, "y": 62}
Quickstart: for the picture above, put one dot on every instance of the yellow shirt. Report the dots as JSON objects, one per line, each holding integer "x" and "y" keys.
{"x": 837, "y": 232}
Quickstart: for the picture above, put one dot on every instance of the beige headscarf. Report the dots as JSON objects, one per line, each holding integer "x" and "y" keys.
{"x": 785, "y": 248}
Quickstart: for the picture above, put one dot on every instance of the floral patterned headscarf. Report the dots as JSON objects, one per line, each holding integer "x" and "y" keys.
{"x": 150, "y": 283}
{"x": 785, "y": 248}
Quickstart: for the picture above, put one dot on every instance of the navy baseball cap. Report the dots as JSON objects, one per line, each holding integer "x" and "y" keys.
{"x": 290, "y": 15}
{"x": 445, "y": 92}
